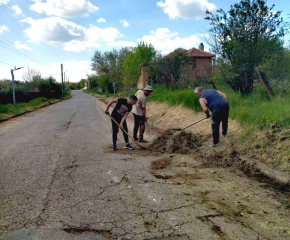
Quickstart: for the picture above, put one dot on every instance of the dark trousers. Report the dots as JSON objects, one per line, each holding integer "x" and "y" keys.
{"x": 115, "y": 128}
{"x": 221, "y": 115}
{"x": 139, "y": 122}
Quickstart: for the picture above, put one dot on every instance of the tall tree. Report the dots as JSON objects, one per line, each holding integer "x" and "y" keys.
{"x": 108, "y": 67}
{"x": 140, "y": 57}
{"x": 244, "y": 37}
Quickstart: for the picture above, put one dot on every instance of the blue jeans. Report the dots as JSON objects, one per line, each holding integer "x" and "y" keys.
{"x": 220, "y": 114}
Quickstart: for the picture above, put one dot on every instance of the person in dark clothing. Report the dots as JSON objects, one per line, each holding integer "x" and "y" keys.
{"x": 217, "y": 103}
{"x": 120, "y": 113}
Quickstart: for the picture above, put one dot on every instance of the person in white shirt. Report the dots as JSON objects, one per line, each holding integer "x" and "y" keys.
{"x": 139, "y": 112}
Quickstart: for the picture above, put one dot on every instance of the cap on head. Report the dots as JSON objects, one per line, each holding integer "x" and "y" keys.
{"x": 148, "y": 88}
{"x": 198, "y": 90}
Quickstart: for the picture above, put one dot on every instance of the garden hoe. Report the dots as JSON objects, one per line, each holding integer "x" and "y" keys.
{"x": 181, "y": 129}
{"x": 126, "y": 132}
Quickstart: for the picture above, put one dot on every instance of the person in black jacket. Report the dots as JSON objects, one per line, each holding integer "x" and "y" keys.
{"x": 120, "y": 113}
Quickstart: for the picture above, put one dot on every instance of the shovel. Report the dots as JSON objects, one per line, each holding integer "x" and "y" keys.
{"x": 181, "y": 129}
{"x": 126, "y": 132}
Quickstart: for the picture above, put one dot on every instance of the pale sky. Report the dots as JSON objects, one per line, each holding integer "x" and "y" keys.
{"x": 42, "y": 34}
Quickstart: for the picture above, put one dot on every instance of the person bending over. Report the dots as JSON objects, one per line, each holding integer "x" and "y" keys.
{"x": 217, "y": 103}
{"x": 120, "y": 113}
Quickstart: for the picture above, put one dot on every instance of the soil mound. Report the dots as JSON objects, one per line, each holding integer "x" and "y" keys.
{"x": 175, "y": 142}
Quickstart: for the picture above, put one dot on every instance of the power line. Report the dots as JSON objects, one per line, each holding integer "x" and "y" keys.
{"x": 7, "y": 63}
{"x": 26, "y": 51}
{"x": 12, "y": 49}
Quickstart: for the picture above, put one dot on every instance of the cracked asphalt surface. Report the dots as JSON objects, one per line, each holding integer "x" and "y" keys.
{"x": 59, "y": 181}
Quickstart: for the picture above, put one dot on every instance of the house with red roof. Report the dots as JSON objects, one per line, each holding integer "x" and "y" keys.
{"x": 199, "y": 67}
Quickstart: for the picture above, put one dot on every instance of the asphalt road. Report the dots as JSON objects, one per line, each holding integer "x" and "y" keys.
{"x": 59, "y": 180}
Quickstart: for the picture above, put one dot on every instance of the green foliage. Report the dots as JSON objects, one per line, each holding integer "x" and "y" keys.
{"x": 131, "y": 69}
{"x": 73, "y": 86}
{"x": 93, "y": 81}
{"x": 140, "y": 57}
{"x": 244, "y": 37}
{"x": 81, "y": 83}
{"x": 167, "y": 69}
{"x": 49, "y": 84}
{"x": 108, "y": 67}
{"x": 277, "y": 69}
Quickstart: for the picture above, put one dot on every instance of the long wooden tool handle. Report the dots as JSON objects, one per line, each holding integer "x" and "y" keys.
{"x": 194, "y": 123}
{"x": 124, "y": 130}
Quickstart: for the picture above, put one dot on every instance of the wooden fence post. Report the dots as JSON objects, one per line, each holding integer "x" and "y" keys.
{"x": 264, "y": 80}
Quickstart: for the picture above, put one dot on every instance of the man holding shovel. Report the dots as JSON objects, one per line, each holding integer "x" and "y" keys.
{"x": 120, "y": 113}
{"x": 139, "y": 112}
{"x": 217, "y": 103}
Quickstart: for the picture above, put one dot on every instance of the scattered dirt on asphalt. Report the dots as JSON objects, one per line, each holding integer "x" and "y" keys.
{"x": 175, "y": 142}
{"x": 160, "y": 163}
{"x": 104, "y": 233}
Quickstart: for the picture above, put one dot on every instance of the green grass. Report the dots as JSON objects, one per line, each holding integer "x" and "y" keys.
{"x": 254, "y": 111}
{"x": 186, "y": 98}
{"x": 9, "y": 110}
{"x": 259, "y": 111}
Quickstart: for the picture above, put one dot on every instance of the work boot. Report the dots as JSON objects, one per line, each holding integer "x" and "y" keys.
{"x": 114, "y": 148}
{"x": 128, "y": 146}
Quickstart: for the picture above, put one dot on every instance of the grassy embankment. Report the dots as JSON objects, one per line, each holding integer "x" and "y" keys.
{"x": 9, "y": 110}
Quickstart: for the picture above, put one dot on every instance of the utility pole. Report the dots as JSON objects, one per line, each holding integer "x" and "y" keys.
{"x": 64, "y": 79}
{"x": 61, "y": 66}
{"x": 13, "y": 87}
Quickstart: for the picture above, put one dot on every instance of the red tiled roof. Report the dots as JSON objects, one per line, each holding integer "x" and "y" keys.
{"x": 193, "y": 52}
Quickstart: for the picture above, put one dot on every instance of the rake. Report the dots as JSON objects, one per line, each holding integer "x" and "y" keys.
{"x": 181, "y": 129}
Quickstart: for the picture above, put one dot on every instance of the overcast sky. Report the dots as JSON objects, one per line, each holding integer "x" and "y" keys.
{"x": 42, "y": 34}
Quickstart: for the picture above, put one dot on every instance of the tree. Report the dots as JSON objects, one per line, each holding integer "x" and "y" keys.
{"x": 50, "y": 85}
{"x": 31, "y": 75}
{"x": 108, "y": 67}
{"x": 141, "y": 56}
{"x": 81, "y": 83}
{"x": 168, "y": 67}
{"x": 244, "y": 37}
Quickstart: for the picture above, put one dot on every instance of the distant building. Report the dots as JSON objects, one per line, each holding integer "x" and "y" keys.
{"x": 199, "y": 68}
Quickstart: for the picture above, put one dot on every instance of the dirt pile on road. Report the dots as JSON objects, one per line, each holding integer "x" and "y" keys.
{"x": 175, "y": 142}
